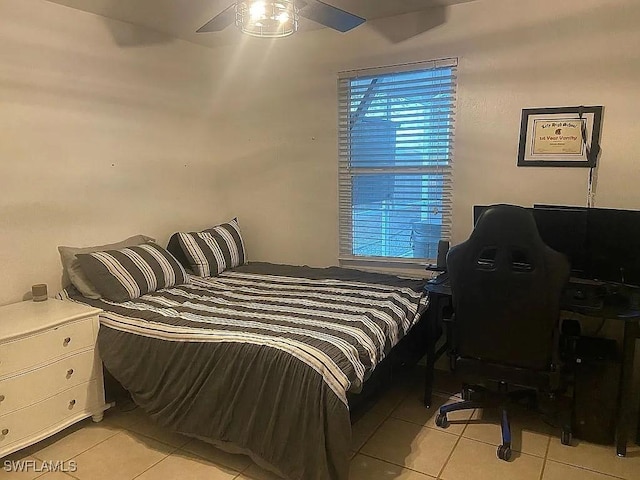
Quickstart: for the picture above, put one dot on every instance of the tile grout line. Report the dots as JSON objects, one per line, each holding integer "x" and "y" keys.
{"x": 446, "y": 462}
{"x": 455, "y": 445}
{"x": 127, "y": 429}
{"x": 149, "y": 437}
{"x": 64, "y": 473}
{"x": 35, "y": 454}
{"x": 246, "y": 468}
{"x": 100, "y": 443}
{"x": 579, "y": 467}
{"x": 387, "y": 417}
{"x": 494, "y": 445}
{"x": 437, "y": 429}
{"x": 390, "y": 415}
{"x": 404, "y": 397}
{"x": 404, "y": 467}
{"x": 574, "y": 465}
{"x": 156, "y": 463}
{"x": 205, "y": 458}
{"x": 544, "y": 461}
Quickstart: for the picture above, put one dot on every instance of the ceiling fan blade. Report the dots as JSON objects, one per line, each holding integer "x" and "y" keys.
{"x": 330, "y": 16}
{"x": 221, "y": 21}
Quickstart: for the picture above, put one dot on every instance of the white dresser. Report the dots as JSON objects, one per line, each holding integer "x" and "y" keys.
{"x": 50, "y": 371}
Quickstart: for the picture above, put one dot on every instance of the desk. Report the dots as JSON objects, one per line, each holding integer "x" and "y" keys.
{"x": 440, "y": 299}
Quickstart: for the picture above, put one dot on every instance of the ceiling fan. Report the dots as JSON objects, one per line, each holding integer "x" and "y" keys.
{"x": 279, "y": 18}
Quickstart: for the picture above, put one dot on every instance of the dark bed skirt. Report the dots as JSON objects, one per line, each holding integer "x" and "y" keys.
{"x": 404, "y": 356}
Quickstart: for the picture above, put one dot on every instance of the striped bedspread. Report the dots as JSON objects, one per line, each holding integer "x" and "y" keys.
{"x": 291, "y": 340}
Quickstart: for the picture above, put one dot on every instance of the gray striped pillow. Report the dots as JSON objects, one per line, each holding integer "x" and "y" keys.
{"x": 214, "y": 250}
{"x": 128, "y": 273}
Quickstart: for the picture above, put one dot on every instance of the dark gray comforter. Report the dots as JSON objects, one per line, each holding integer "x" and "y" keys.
{"x": 259, "y": 360}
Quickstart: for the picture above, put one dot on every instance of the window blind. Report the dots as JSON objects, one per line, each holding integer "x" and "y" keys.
{"x": 396, "y": 128}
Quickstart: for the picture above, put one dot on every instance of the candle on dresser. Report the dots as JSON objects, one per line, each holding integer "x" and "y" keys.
{"x": 39, "y": 292}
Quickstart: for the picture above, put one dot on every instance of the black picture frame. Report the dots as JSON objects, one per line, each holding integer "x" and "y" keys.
{"x": 548, "y": 136}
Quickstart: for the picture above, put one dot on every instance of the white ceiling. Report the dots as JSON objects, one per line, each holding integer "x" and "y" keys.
{"x": 181, "y": 18}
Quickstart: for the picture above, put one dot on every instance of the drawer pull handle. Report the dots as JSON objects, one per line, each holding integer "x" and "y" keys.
{"x": 1, "y": 398}
{"x": 67, "y": 341}
{"x": 72, "y": 404}
{"x": 69, "y": 372}
{"x": 5, "y": 432}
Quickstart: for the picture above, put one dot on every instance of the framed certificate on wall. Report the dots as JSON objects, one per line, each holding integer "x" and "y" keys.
{"x": 560, "y": 137}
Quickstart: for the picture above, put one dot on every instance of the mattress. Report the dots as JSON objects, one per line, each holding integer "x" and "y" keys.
{"x": 259, "y": 359}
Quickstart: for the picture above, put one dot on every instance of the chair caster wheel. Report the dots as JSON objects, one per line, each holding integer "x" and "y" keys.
{"x": 504, "y": 453}
{"x": 466, "y": 393}
{"x": 442, "y": 421}
{"x": 566, "y": 437}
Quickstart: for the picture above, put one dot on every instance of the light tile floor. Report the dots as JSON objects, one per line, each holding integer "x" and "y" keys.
{"x": 394, "y": 439}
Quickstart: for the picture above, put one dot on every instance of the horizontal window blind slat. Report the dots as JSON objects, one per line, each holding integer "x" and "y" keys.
{"x": 407, "y": 67}
{"x": 402, "y": 99}
{"x": 412, "y": 94}
{"x": 427, "y": 166}
{"x": 400, "y": 120}
{"x": 358, "y": 87}
{"x": 426, "y": 88}
{"x": 396, "y": 171}
{"x": 417, "y": 142}
{"x": 428, "y": 153}
{"x": 444, "y": 130}
{"x": 414, "y": 76}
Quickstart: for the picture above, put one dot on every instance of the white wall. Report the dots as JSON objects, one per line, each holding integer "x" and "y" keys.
{"x": 108, "y": 130}
{"x": 104, "y": 133}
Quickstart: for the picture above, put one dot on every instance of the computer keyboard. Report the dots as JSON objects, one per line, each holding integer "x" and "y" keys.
{"x": 583, "y": 296}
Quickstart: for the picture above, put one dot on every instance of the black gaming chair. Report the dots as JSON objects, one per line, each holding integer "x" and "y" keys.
{"x": 506, "y": 285}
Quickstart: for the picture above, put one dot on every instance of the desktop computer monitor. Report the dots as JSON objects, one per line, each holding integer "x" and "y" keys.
{"x": 612, "y": 248}
{"x": 562, "y": 228}
{"x": 477, "y": 211}
{"x": 614, "y": 245}
{"x": 565, "y": 230}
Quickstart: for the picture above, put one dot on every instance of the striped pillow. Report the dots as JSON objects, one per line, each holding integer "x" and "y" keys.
{"x": 128, "y": 273}
{"x": 214, "y": 250}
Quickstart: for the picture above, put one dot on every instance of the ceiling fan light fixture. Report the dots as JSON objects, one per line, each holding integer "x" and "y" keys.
{"x": 267, "y": 18}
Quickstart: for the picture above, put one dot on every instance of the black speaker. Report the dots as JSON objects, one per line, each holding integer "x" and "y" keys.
{"x": 443, "y": 249}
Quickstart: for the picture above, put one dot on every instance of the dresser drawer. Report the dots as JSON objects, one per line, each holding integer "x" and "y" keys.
{"x": 36, "y": 385}
{"x": 36, "y": 349}
{"x": 44, "y": 415}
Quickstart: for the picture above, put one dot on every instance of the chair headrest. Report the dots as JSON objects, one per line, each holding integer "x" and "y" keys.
{"x": 506, "y": 225}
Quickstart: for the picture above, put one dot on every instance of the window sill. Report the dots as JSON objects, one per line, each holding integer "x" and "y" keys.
{"x": 407, "y": 268}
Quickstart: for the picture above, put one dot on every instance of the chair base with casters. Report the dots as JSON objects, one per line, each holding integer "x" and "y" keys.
{"x": 501, "y": 401}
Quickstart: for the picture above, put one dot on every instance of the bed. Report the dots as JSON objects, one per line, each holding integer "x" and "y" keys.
{"x": 260, "y": 359}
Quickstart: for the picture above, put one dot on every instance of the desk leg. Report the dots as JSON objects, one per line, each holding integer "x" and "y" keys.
{"x": 624, "y": 390}
{"x": 432, "y": 317}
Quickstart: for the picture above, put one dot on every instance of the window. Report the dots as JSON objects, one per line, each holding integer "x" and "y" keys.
{"x": 395, "y": 153}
